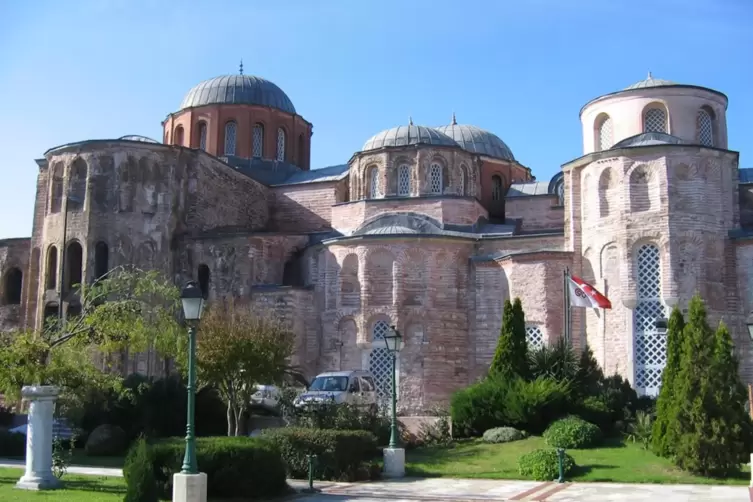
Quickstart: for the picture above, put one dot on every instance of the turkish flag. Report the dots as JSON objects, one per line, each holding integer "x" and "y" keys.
{"x": 584, "y": 295}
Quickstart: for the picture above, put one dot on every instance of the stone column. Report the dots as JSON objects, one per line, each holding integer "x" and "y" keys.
{"x": 38, "y": 475}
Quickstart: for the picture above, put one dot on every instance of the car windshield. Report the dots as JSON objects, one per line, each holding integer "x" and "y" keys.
{"x": 330, "y": 383}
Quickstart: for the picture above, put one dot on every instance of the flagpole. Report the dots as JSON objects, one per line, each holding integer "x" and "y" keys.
{"x": 566, "y": 319}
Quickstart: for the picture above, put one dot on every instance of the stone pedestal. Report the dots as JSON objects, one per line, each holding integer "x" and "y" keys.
{"x": 394, "y": 463}
{"x": 190, "y": 487}
{"x": 38, "y": 475}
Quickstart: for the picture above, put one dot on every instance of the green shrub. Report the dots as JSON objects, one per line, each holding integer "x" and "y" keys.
{"x": 572, "y": 432}
{"x": 642, "y": 430}
{"x": 557, "y": 361}
{"x": 138, "y": 472}
{"x": 239, "y": 467}
{"x": 496, "y": 402}
{"x": 503, "y": 435}
{"x": 594, "y": 410}
{"x": 543, "y": 465}
{"x": 341, "y": 455}
{"x": 12, "y": 444}
{"x": 6, "y": 416}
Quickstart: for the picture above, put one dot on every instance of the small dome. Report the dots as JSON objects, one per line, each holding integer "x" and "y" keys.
{"x": 475, "y": 140}
{"x": 238, "y": 90}
{"x": 650, "y": 82}
{"x": 407, "y": 135}
{"x": 136, "y": 137}
{"x": 650, "y": 139}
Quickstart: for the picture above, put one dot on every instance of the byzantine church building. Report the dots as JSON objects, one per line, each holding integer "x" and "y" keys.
{"x": 428, "y": 228}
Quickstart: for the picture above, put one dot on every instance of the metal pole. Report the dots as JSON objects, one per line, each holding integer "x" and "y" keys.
{"x": 189, "y": 460}
{"x": 560, "y": 461}
{"x": 566, "y": 306}
{"x": 393, "y": 425}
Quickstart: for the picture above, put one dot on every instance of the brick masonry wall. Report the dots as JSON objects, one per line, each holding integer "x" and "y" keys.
{"x": 14, "y": 267}
{"x": 539, "y": 212}
{"x": 303, "y": 208}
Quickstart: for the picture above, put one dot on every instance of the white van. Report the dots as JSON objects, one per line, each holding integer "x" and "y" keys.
{"x": 355, "y": 387}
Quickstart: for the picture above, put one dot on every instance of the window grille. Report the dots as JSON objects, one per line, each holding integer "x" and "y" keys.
{"x": 380, "y": 362}
{"x": 534, "y": 337}
{"x": 230, "y": 130}
{"x": 496, "y": 188}
{"x": 258, "y": 140}
{"x": 403, "y": 180}
{"x": 605, "y": 134}
{"x": 705, "y": 129}
{"x": 202, "y": 136}
{"x": 373, "y": 183}
{"x": 650, "y": 344}
{"x": 655, "y": 120}
{"x": 280, "y": 144}
{"x": 435, "y": 179}
{"x": 561, "y": 193}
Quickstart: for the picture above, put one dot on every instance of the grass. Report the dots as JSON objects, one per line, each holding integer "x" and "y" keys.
{"x": 76, "y": 489}
{"x": 615, "y": 462}
{"x": 80, "y": 458}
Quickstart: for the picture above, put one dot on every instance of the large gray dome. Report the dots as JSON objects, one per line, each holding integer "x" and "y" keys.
{"x": 476, "y": 140}
{"x": 650, "y": 81}
{"x": 238, "y": 90}
{"x": 407, "y": 135}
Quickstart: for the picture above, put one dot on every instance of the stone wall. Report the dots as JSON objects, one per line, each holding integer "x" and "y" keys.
{"x": 304, "y": 208}
{"x": 15, "y": 264}
{"x": 538, "y": 212}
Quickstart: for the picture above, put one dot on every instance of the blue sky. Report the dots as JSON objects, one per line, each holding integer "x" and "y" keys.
{"x": 85, "y": 69}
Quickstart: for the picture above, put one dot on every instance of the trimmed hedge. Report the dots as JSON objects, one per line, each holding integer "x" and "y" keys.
{"x": 572, "y": 432}
{"x": 12, "y": 444}
{"x": 240, "y": 467}
{"x": 543, "y": 465}
{"x": 341, "y": 455}
{"x": 503, "y": 435}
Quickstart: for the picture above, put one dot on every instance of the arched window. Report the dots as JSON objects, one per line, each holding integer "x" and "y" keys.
{"x": 655, "y": 120}
{"x": 705, "y": 128}
{"x": 496, "y": 188}
{"x": 534, "y": 337}
{"x": 204, "y": 280}
{"x": 561, "y": 193}
{"x": 12, "y": 286}
{"x": 258, "y": 141}
{"x": 230, "y": 136}
{"x": 178, "y": 136}
{"x": 380, "y": 361}
{"x": 74, "y": 257}
{"x": 202, "y": 135}
{"x": 403, "y": 180}
{"x": 650, "y": 345}
{"x": 373, "y": 183}
{"x": 435, "y": 179}
{"x": 101, "y": 260}
{"x": 605, "y": 133}
{"x": 280, "y": 144}
{"x": 52, "y": 268}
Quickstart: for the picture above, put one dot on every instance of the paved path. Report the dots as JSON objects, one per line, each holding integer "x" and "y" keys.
{"x": 477, "y": 490}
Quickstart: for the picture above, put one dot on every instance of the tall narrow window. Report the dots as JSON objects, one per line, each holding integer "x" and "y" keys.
{"x": 705, "y": 128}
{"x": 12, "y": 286}
{"x": 380, "y": 360}
{"x": 650, "y": 345}
{"x": 258, "y": 141}
{"x": 101, "y": 260}
{"x": 435, "y": 179}
{"x": 373, "y": 183}
{"x": 52, "y": 268}
{"x": 230, "y": 136}
{"x": 403, "y": 180}
{"x": 605, "y": 133}
{"x": 280, "y": 144}
{"x": 204, "y": 280}
{"x": 655, "y": 120}
{"x": 202, "y": 135}
{"x": 496, "y": 188}
{"x": 178, "y": 136}
{"x": 74, "y": 257}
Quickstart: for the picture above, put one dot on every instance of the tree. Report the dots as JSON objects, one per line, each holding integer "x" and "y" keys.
{"x": 511, "y": 355}
{"x": 711, "y": 430}
{"x": 237, "y": 349}
{"x": 662, "y": 441}
{"x": 125, "y": 308}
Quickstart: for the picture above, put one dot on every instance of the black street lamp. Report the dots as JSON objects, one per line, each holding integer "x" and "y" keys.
{"x": 394, "y": 343}
{"x": 193, "y": 306}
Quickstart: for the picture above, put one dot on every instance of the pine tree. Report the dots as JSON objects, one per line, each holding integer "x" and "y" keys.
{"x": 710, "y": 430}
{"x": 662, "y": 442}
{"x": 138, "y": 471}
{"x": 520, "y": 344}
{"x": 503, "y": 363}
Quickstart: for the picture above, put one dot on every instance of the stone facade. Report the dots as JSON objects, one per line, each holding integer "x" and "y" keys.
{"x": 419, "y": 232}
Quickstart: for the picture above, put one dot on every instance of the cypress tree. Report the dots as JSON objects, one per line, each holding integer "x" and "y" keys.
{"x": 520, "y": 344}
{"x": 662, "y": 443}
{"x": 502, "y": 364}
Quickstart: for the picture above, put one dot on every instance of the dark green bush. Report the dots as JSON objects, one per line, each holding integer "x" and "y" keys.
{"x": 341, "y": 455}
{"x": 503, "y": 435}
{"x": 12, "y": 444}
{"x": 572, "y": 432}
{"x": 345, "y": 417}
{"x": 239, "y": 467}
{"x": 496, "y": 402}
{"x": 543, "y": 465}
{"x": 6, "y": 416}
{"x": 138, "y": 471}
{"x": 593, "y": 409}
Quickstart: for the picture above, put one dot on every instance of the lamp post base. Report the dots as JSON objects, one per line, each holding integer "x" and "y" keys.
{"x": 190, "y": 487}
{"x": 394, "y": 462}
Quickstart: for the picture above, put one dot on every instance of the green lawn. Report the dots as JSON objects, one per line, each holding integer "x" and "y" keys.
{"x": 76, "y": 489}
{"x": 615, "y": 462}
{"x": 81, "y": 459}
